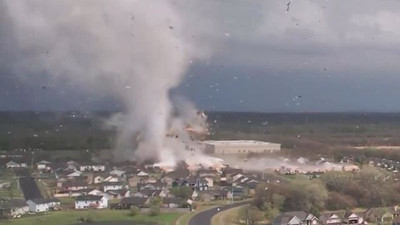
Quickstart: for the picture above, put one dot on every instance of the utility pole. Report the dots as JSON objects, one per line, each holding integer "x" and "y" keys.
{"x": 232, "y": 193}
{"x": 32, "y": 160}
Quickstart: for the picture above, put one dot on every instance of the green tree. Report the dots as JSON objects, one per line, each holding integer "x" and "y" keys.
{"x": 155, "y": 206}
{"x": 250, "y": 215}
{"x": 305, "y": 195}
{"x": 182, "y": 192}
{"x": 133, "y": 211}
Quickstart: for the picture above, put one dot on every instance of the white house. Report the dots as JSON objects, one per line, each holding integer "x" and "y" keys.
{"x": 43, "y": 165}
{"x": 12, "y": 164}
{"x": 42, "y": 205}
{"x": 92, "y": 167}
{"x": 91, "y": 201}
{"x": 112, "y": 186}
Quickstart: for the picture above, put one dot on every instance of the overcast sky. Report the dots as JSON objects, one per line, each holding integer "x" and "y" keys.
{"x": 310, "y": 56}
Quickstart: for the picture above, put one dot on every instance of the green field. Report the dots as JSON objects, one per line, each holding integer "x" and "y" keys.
{"x": 12, "y": 191}
{"x": 72, "y": 217}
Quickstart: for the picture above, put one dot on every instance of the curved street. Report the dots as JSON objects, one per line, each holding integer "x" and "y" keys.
{"x": 204, "y": 218}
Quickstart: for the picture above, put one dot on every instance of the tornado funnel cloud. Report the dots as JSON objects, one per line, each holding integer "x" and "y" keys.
{"x": 133, "y": 49}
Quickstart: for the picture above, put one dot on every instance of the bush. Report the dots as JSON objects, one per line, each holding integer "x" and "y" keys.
{"x": 154, "y": 211}
{"x": 155, "y": 205}
{"x": 133, "y": 211}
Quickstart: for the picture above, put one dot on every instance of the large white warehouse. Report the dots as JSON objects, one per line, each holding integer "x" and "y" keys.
{"x": 240, "y": 147}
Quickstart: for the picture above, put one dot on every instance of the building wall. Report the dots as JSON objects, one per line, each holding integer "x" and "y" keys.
{"x": 103, "y": 203}
{"x": 33, "y": 207}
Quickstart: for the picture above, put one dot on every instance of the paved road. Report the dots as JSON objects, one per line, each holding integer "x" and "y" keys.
{"x": 28, "y": 185}
{"x": 204, "y": 218}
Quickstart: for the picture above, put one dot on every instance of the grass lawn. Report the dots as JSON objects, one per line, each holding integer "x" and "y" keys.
{"x": 13, "y": 191}
{"x": 72, "y": 217}
{"x": 227, "y": 217}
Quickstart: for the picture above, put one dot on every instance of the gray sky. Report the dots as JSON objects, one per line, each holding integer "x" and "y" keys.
{"x": 338, "y": 55}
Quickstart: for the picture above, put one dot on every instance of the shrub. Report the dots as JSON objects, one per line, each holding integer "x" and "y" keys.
{"x": 133, "y": 211}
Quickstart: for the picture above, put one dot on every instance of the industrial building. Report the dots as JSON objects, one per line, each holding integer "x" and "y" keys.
{"x": 240, "y": 147}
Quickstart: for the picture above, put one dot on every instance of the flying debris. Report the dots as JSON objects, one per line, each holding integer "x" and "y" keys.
{"x": 296, "y": 97}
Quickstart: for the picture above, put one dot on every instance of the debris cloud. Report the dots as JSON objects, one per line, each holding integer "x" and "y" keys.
{"x": 133, "y": 49}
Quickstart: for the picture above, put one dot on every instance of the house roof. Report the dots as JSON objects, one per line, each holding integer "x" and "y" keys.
{"x": 89, "y": 198}
{"x": 44, "y": 201}
{"x": 142, "y": 174}
{"x": 326, "y": 216}
{"x": 283, "y": 219}
{"x": 112, "y": 183}
{"x": 43, "y": 162}
{"x": 299, "y": 214}
{"x": 75, "y": 183}
{"x": 150, "y": 192}
{"x": 116, "y": 192}
{"x": 379, "y": 211}
{"x": 12, "y": 163}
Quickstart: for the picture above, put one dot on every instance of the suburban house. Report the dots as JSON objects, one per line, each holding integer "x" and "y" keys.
{"x": 12, "y": 164}
{"x": 306, "y": 218}
{"x": 330, "y": 219}
{"x": 235, "y": 192}
{"x": 173, "y": 202}
{"x": 42, "y": 205}
{"x": 127, "y": 203}
{"x": 72, "y": 165}
{"x": 112, "y": 186}
{"x": 118, "y": 194}
{"x": 134, "y": 180}
{"x": 284, "y": 219}
{"x": 74, "y": 185}
{"x": 91, "y": 202}
{"x": 382, "y": 215}
{"x": 196, "y": 183}
{"x": 119, "y": 173}
{"x": 146, "y": 193}
{"x": 211, "y": 195}
{"x": 43, "y": 165}
{"x": 207, "y": 173}
{"x": 353, "y": 218}
{"x": 92, "y": 168}
{"x": 13, "y": 207}
{"x": 152, "y": 186}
